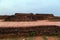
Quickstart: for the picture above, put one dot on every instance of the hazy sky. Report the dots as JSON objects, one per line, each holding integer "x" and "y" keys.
{"x": 29, "y": 6}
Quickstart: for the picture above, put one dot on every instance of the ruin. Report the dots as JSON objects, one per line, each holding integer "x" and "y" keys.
{"x": 13, "y": 26}
{"x": 25, "y": 31}
{"x": 26, "y": 17}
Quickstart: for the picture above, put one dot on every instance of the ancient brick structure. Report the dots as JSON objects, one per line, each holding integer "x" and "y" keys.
{"x": 44, "y": 16}
{"x": 28, "y": 31}
{"x": 25, "y": 31}
{"x": 28, "y": 17}
{"x": 23, "y": 17}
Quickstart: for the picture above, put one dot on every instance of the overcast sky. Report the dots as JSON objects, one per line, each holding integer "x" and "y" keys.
{"x": 29, "y": 6}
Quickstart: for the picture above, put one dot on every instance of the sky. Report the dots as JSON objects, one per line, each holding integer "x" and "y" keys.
{"x": 9, "y": 7}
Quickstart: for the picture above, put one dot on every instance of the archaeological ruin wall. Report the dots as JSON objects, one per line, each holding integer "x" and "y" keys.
{"x": 28, "y": 17}
{"x": 31, "y": 31}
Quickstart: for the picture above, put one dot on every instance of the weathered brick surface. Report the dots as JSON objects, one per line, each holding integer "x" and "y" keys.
{"x": 28, "y": 17}
{"x": 38, "y": 30}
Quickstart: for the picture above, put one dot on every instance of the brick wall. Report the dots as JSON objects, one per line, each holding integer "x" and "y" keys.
{"x": 25, "y": 17}
{"x": 37, "y": 30}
